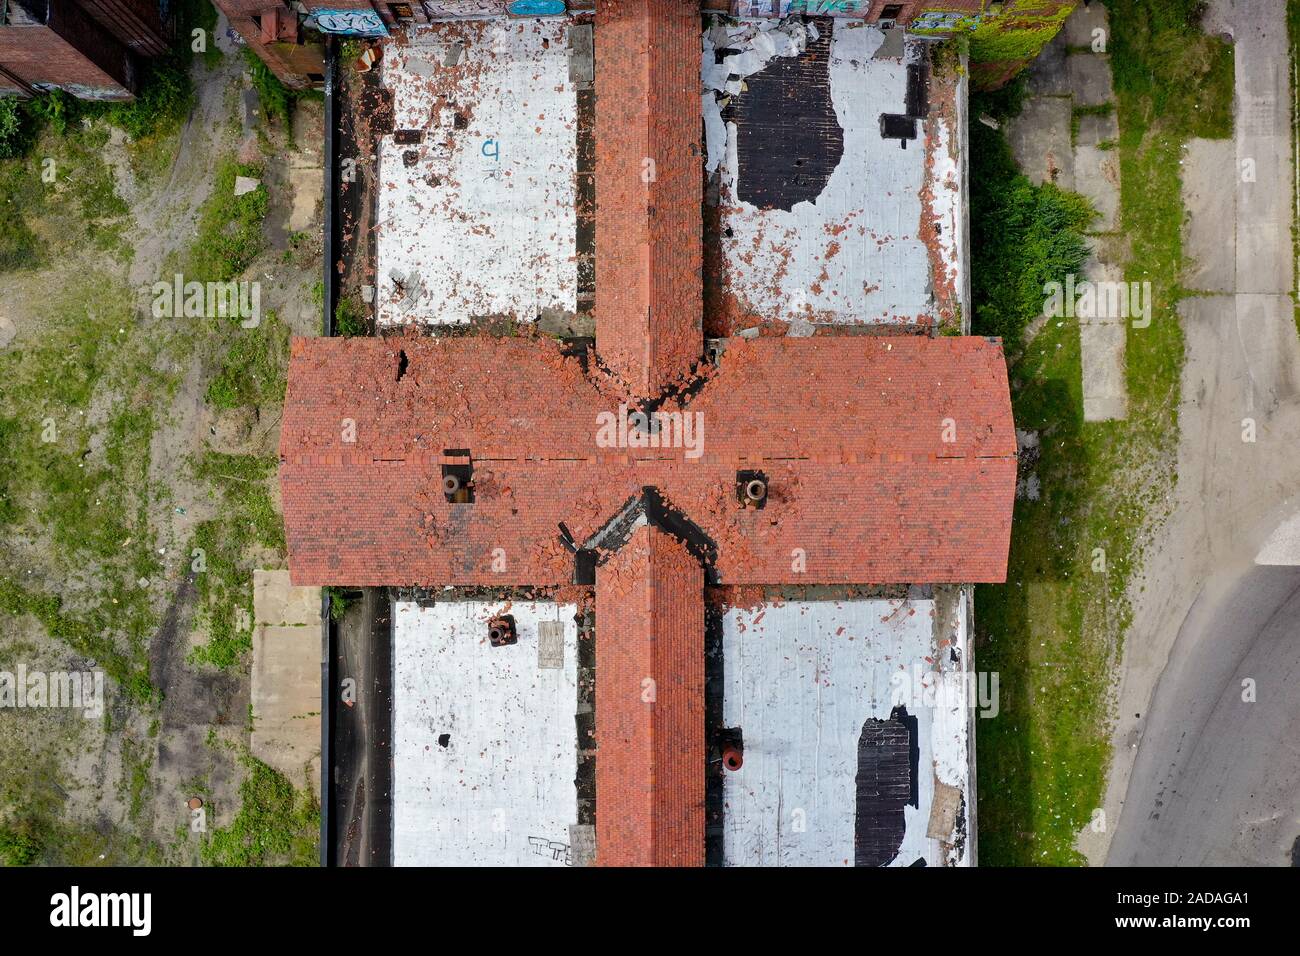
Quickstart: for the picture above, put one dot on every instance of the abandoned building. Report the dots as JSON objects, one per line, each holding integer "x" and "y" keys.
{"x": 88, "y": 48}
{"x": 672, "y": 454}
{"x": 287, "y": 33}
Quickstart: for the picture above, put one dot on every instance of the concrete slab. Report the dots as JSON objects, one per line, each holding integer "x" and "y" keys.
{"x": 1048, "y": 75}
{"x": 1266, "y": 335}
{"x": 286, "y": 685}
{"x": 1040, "y": 140}
{"x": 1105, "y": 391}
{"x": 1090, "y": 79}
{"x": 286, "y": 701}
{"x": 1080, "y": 25}
{"x": 1096, "y": 175}
{"x": 1210, "y": 229}
{"x": 1097, "y": 129}
{"x": 277, "y": 602}
{"x": 1283, "y": 545}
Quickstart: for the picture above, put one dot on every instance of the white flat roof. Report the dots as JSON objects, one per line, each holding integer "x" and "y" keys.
{"x": 498, "y": 789}
{"x": 483, "y": 222}
{"x": 801, "y": 678}
{"x": 856, "y": 253}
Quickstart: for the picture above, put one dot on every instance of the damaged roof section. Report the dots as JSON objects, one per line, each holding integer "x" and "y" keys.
{"x": 824, "y": 216}
{"x": 649, "y": 234}
{"x": 897, "y": 465}
{"x": 856, "y": 719}
{"x": 477, "y": 208}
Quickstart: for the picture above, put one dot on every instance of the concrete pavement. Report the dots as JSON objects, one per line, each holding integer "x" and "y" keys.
{"x": 1201, "y": 776}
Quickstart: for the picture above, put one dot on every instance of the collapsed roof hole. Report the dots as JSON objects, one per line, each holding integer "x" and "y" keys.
{"x": 409, "y": 158}
{"x": 444, "y": 740}
{"x": 402, "y": 363}
{"x": 460, "y": 121}
{"x": 458, "y": 476}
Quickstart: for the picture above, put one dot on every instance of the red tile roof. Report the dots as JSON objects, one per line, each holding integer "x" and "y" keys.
{"x": 650, "y": 755}
{"x": 649, "y": 187}
{"x": 888, "y": 459}
{"x": 852, "y": 433}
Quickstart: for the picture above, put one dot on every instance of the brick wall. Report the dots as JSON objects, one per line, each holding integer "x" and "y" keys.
{"x": 71, "y": 51}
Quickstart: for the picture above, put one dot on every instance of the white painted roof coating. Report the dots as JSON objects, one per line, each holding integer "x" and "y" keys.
{"x": 800, "y": 680}
{"x": 484, "y": 223}
{"x": 501, "y": 793}
{"x": 855, "y": 255}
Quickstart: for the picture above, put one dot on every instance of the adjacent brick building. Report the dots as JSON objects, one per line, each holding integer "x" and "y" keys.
{"x": 89, "y": 48}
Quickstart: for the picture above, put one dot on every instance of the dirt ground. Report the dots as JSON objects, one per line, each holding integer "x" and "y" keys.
{"x": 118, "y": 785}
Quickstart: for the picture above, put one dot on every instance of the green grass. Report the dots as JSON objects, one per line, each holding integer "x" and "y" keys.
{"x": 64, "y": 184}
{"x": 276, "y": 825}
{"x": 253, "y": 369}
{"x": 230, "y": 232}
{"x": 1054, "y": 632}
{"x": 76, "y": 474}
{"x": 247, "y": 520}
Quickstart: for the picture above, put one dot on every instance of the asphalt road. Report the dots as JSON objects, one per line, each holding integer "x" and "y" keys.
{"x": 1200, "y": 776}
{"x": 1217, "y": 777}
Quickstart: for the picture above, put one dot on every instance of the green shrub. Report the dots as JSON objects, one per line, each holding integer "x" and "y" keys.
{"x": 20, "y": 845}
{"x": 230, "y": 227}
{"x": 276, "y": 825}
{"x": 275, "y": 97}
{"x": 1023, "y": 236}
{"x": 15, "y": 129}
{"x": 350, "y": 318}
{"x": 252, "y": 372}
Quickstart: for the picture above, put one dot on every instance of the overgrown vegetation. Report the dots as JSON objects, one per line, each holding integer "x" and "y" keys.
{"x": 1018, "y": 33}
{"x": 230, "y": 227}
{"x": 350, "y": 318}
{"x": 253, "y": 370}
{"x": 277, "y": 100}
{"x": 276, "y": 825}
{"x": 79, "y": 480}
{"x": 1026, "y": 235}
{"x": 1054, "y": 631}
{"x": 246, "y": 521}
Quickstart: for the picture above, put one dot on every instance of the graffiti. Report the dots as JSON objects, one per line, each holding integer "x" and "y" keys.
{"x": 782, "y": 8}
{"x": 934, "y": 21}
{"x": 464, "y": 9}
{"x": 359, "y": 23}
{"x": 550, "y": 848}
{"x": 536, "y": 8}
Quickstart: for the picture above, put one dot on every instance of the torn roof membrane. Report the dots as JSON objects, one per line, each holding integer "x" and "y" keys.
{"x": 822, "y": 218}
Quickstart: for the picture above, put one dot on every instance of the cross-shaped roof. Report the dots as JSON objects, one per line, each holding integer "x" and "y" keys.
{"x": 885, "y": 459}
